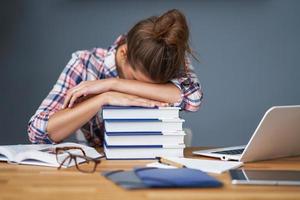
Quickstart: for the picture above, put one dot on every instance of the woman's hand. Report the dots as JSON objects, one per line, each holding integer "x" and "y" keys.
{"x": 86, "y": 89}
{"x": 122, "y": 99}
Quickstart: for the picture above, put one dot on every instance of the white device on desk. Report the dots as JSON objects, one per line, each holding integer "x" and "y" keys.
{"x": 265, "y": 177}
{"x": 277, "y": 135}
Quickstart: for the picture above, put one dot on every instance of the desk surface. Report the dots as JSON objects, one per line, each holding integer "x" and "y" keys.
{"x": 33, "y": 182}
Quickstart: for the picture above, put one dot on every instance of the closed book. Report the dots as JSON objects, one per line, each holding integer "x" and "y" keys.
{"x": 133, "y": 112}
{"x": 149, "y": 177}
{"x": 182, "y": 178}
{"x": 143, "y": 125}
{"x": 142, "y": 151}
{"x": 144, "y": 138}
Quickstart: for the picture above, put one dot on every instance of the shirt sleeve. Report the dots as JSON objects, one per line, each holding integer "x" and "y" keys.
{"x": 71, "y": 75}
{"x": 191, "y": 90}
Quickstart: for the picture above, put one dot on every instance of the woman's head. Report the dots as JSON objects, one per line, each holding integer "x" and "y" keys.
{"x": 156, "y": 47}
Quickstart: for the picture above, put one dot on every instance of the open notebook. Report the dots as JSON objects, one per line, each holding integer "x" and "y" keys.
{"x": 209, "y": 166}
{"x": 42, "y": 154}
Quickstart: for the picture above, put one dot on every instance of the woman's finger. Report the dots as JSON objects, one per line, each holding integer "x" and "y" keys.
{"x": 150, "y": 102}
{"x": 67, "y": 99}
{"x": 140, "y": 103}
{"x": 75, "y": 96}
{"x": 159, "y": 104}
{"x": 70, "y": 94}
{"x": 122, "y": 99}
{"x": 144, "y": 102}
{"x": 153, "y": 102}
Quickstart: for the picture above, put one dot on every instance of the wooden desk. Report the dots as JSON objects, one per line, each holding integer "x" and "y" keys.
{"x": 33, "y": 182}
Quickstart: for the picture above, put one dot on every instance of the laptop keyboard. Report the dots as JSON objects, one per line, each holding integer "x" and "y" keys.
{"x": 230, "y": 152}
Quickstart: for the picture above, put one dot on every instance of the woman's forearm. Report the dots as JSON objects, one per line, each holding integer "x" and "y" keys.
{"x": 168, "y": 92}
{"x": 65, "y": 122}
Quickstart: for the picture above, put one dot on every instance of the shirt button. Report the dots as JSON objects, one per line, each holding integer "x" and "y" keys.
{"x": 186, "y": 82}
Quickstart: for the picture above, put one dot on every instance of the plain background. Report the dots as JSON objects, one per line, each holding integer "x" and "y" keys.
{"x": 249, "y": 52}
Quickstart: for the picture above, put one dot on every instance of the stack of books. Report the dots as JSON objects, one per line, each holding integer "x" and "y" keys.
{"x": 142, "y": 133}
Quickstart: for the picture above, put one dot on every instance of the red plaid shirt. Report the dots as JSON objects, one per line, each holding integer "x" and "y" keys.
{"x": 96, "y": 64}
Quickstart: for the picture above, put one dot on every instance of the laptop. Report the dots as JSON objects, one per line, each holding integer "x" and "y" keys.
{"x": 277, "y": 135}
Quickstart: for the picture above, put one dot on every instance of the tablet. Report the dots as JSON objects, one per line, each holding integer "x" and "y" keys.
{"x": 265, "y": 177}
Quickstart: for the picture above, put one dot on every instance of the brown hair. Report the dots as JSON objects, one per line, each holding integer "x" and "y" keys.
{"x": 157, "y": 46}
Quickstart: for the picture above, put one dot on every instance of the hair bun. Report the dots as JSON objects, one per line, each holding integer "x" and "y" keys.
{"x": 158, "y": 46}
{"x": 171, "y": 27}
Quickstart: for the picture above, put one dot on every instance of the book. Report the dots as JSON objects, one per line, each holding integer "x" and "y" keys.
{"x": 170, "y": 178}
{"x": 142, "y": 151}
{"x": 42, "y": 154}
{"x": 143, "y": 125}
{"x": 144, "y": 138}
{"x": 149, "y": 177}
{"x": 134, "y": 112}
{"x": 142, "y": 133}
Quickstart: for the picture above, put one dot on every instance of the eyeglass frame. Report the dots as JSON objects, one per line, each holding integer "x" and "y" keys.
{"x": 74, "y": 157}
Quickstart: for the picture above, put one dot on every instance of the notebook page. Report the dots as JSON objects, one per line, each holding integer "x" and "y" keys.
{"x": 209, "y": 166}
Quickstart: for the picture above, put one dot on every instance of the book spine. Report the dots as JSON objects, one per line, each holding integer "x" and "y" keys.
{"x": 145, "y": 146}
{"x": 133, "y": 120}
{"x": 133, "y": 133}
{"x": 127, "y": 107}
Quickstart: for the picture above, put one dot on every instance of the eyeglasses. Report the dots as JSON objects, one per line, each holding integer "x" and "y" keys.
{"x": 77, "y": 157}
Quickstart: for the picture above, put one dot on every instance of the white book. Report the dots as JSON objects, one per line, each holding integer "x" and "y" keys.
{"x": 143, "y": 125}
{"x": 143, "y": 152}
{"x": 132, "y": 112}
{"x": 144, "y": 138}
{"x": 42, "y": 154}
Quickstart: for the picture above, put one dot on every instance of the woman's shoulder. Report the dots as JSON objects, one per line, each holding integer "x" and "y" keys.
{"x": 87, "y": 54}
{"x": 91, "y": 59}
{"x": 98, "y": 61}
{"x": 98, "y": 53}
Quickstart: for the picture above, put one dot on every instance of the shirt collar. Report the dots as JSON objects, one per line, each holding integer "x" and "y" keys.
{"x": 110, "y": 58}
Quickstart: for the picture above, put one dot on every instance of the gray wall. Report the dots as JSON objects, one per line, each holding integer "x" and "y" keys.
{"x": 249, "y": 53}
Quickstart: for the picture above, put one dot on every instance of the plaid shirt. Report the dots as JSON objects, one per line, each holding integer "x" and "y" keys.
{"x": 96, "y": 64}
